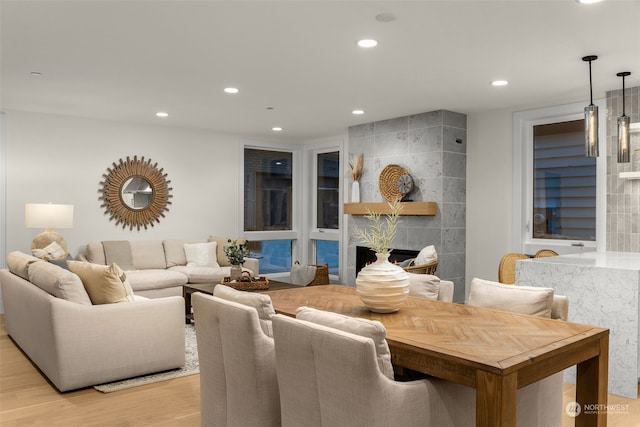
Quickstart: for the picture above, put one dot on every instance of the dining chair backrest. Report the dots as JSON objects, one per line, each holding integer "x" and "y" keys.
{"x": 329, "y": 377}
{"x": 545, "y": 253}
{"x": 238, "y": 380}
{"x": 507, "y": 267}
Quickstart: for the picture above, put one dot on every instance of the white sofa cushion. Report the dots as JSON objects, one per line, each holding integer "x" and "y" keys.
{"x": 147, "y": 254}
{"x": 95, "y": 253}
{"x": 59, "y": 282}
{"x": 174, "y": 252}
{"x": 367, "y": 328}
{"x": 427, "y": 255}
{"x": 105, "y": 284}
{"x": 518, "y": 299}
{"x": 143, "y": 280}
{"x": 18, "y": 263}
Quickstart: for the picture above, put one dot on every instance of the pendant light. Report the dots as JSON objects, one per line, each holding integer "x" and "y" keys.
{"x": 591, "y": 118}
{"x": 623, "y": 127}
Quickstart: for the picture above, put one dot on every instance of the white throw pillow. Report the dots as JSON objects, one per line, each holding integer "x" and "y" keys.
{"x": 367, "y": 328}
{"x": 427, "y": 255}
{"x": 518, "y": 299}
{"x": 201, "y": 254}
{"x": 424, "y": 285}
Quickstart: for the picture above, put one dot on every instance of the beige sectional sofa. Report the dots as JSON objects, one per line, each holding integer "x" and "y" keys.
{"x": 157, "y": 268}
{"x": 49, "y": 315}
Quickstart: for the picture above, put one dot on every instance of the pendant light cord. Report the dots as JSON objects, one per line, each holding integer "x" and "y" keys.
{"x": 591, "y": 85}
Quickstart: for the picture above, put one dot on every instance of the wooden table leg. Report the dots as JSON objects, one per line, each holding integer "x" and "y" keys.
{"x": 496, "y": 398}
{"x": 187, "y": 305}
{"x": 591, "y": 388}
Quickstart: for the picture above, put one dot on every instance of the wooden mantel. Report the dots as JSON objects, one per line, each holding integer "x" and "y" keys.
{"x": 408, "y": 208}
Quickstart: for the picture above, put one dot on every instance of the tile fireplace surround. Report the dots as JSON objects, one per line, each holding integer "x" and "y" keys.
{"x": 432, "y": 147}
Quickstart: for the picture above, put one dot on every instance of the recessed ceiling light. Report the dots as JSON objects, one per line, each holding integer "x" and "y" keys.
{"x": 231, "y": 90}
{"x": 385, "y": 17}
{"x": 367, "y": 43}
{"x": 162, "y": 114}
{"x": 499, "y": 83}
{"x": 36, "y": 73}
{"x": 276, "y": 129}
{"x": 357, "y": 112}
{"x": 588, "y": 1}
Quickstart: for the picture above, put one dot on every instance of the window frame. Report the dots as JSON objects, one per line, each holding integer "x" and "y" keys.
{"x": 522, "y": 175}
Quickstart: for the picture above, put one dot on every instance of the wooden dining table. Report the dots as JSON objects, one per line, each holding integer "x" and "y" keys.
{"x": 495, "y": 352}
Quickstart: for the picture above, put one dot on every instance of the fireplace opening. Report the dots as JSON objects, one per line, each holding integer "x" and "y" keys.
{"x": 366, "y": 256}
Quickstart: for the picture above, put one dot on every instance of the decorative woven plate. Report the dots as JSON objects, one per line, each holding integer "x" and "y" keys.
{"x": 388, "y": 182}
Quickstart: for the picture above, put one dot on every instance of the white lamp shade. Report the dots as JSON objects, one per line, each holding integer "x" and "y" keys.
{"x": 48, "y": 216}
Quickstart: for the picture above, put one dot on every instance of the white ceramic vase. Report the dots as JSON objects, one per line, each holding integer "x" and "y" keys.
{"x": 382, "y": 286}
{"x": 355, "y": 192}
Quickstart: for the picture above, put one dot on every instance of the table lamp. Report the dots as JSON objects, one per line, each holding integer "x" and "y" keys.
{"x": 48, "y": 216}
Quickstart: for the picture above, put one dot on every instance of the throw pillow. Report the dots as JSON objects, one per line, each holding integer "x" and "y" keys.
{"x": 262, "y": 303}
{"x": 105, "y": 284}
{"x": 367, "y": 328}
{"x": 424, "y": 285}
{"x": 427, "y": 255}
{"x": 201, "y": 254}
{"x": 52, "y": 251}
{"x": 518, "y": 299}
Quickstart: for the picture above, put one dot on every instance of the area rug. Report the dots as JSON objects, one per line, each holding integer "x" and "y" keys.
{"x": 191, "y": 367}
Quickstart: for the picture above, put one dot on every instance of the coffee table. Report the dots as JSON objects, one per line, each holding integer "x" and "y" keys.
{"x": 207, "y": 288}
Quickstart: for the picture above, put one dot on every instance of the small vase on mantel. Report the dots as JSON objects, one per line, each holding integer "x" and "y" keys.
{"x": 355, "y": 192}
{"x": 236, "y": 272}
{"x": 382, "y": 286}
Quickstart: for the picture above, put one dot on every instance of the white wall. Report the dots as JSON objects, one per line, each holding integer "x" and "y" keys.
{"x": 489, "y": 186}
{"x": 61, "y": 159}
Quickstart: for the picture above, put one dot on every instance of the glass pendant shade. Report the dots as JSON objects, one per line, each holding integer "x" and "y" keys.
{"x": 623, "y": 128}
{"x": 591, "y": 118}
{"x": 591, "y": 130}
{"x": 623, "y": 139}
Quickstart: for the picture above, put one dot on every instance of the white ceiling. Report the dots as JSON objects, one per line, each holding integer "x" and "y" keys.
{"x": 126, "y": 60}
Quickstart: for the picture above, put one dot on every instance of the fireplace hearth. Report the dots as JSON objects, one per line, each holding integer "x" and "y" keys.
{"x": 365, "y": 256}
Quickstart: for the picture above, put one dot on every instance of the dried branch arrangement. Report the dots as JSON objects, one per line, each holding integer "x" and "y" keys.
{"x": 381, "y": 235}
{"x": 356, "y": 167}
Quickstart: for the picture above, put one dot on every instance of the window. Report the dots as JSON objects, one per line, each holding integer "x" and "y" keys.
{"x": 564, "y": 183}
{"x": 327, "y": 219}
{"x": 268, "y": 208}
{"x": 559, "y": 195}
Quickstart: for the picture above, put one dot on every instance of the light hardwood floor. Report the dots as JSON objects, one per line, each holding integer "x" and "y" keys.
{"x": 28, "y": 399}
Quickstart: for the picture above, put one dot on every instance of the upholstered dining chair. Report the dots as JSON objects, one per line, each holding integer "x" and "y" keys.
{"x": 543, "y": 398}
{"x": 507, "y": 267}
{"x": 238, "y": 380}
{"x": 545, "y": 253}
{"x": 330, "y": 377}
{"x": 431, "y": 287}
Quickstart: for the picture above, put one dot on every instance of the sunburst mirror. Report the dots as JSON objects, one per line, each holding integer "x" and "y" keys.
{"x": 135, "y": 193}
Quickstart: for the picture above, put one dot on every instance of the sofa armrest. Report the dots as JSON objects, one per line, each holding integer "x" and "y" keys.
{"x": 252, "y": 264}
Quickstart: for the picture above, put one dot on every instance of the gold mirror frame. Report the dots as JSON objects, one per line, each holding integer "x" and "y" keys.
{"x": 111, "y": 190}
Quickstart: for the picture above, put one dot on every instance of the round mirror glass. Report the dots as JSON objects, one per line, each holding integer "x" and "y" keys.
{"x": 136, "y": 192}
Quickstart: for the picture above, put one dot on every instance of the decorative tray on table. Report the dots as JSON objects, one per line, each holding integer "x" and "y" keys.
{"x": 247, "y": 283}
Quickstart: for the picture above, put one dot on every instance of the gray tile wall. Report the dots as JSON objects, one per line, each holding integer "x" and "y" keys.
{"x": 623, "y": 195}
{"x": 432, "y": 147}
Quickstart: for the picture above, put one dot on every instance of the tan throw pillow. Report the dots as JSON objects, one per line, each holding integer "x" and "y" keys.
{"x": 518, "y": 299}
{"x": 367, "y": 328}
{"x": 52, "y": 251}
{"x": 105, "y": 284}
{"x": 222, "y": 258}
{"x": 201, "y": 254}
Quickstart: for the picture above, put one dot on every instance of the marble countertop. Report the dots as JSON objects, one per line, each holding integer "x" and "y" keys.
{"x": 618, "y": 260}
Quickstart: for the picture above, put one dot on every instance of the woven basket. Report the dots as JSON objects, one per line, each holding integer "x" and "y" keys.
{"x": 322, "y": 275}
{"x": 429, "y": 268}
{"x": 247, "y": 283}
{"x": 388, "y": 182}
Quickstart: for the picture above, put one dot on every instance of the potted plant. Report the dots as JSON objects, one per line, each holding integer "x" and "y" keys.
{"x": 382, "y": 286}
{"x": 236, "y": 253}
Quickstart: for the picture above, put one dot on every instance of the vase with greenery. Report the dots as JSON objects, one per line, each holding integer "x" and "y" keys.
{"x": 382, "y": 285}
{"x": 236, "y": 252}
